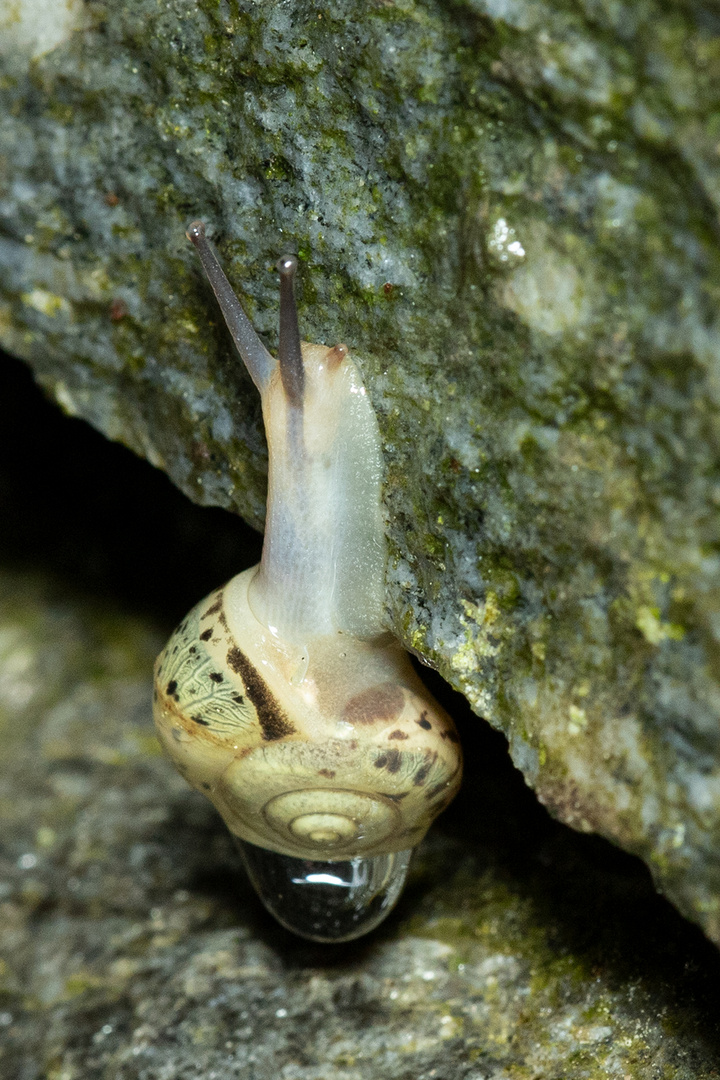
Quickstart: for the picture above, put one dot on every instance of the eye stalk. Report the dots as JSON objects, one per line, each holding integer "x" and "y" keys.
{"x": 281, "y": 696}
{"x": 290, "y": 352}
{"x": 257, "y": 359}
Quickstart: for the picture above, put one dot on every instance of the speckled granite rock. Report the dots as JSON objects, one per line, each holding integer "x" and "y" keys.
{"x": 132, "y": 949}
{"x": 509, "y": 209}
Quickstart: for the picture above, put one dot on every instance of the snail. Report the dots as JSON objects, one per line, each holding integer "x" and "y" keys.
{"x": 282, "y": 696}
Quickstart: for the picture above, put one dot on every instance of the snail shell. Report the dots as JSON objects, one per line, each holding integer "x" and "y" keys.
{"x": 354, "y": 758}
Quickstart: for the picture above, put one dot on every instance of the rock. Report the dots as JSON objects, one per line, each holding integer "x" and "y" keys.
{"x": 132, "y": 947}
{"x": 509, "y": 211}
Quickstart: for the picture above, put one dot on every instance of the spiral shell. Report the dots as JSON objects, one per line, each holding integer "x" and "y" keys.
{"x": 331, "y": 751}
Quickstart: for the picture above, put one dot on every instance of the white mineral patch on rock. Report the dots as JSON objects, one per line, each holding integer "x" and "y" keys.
{"x": 34, "y": 27}
{"x": 547, "y": 291}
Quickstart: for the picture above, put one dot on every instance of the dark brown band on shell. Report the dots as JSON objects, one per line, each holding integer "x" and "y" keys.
{"x": 273, "y": 722}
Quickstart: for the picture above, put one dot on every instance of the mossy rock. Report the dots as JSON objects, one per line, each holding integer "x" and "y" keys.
{"x": 509, "y": 211}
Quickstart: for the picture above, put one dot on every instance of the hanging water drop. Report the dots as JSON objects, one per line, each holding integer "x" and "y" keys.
{"x": 326, "y": 901}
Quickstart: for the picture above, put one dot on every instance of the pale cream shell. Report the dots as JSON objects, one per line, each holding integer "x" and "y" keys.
{"x": 327, "y": 751}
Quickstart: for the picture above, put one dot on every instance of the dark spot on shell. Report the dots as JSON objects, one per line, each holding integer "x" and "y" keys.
{"x": 216, "y": 676}
{"x": 205, "y": 786}
{"x": 329, "y": 773}
{"x": 273, "y": 722}
{"x": 207, "y": 634}
{"x": 199, "y": 720}
{"x": 398, "y": 734}
{"x": 424, "y": 723}
{"x": 421, "y": 775}
{"x": 238, "y": 699}
{"x": 213, "y": 609}
{"x": 193, "y": 650}
{"x": 222, "y": 620}
{"x": 171, "y": 688}
{"x": 390, "y": 760}
{"x": 382, "y": 702}
{"x": 449, "y": 734}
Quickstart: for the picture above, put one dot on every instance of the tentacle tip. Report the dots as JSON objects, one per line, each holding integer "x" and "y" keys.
{"x": 287, "y": 265}
{"x": 195, "y": 231}
{"x": 336, "y": 356}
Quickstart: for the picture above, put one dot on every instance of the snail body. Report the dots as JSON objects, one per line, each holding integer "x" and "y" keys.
{"x": 281, "y": 696}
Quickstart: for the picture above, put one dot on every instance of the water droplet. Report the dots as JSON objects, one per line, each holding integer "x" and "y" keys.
{"x": 326, "y": 901}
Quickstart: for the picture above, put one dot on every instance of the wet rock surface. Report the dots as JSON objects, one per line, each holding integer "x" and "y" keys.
{"x": 509, "y": 211}
{"x": 131, "y": 945}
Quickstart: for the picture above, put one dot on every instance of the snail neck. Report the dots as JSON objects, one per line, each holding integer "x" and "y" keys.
{"x": 323, "y": 559}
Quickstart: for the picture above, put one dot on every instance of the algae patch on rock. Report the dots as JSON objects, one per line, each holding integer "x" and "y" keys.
{"x": 509, "y": 212}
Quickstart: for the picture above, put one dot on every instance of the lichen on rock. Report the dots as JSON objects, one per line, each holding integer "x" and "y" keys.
{"x": 509, "y": 211}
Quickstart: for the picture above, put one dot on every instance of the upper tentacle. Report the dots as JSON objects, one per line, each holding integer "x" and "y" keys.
{"x": 259, "y": 362}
